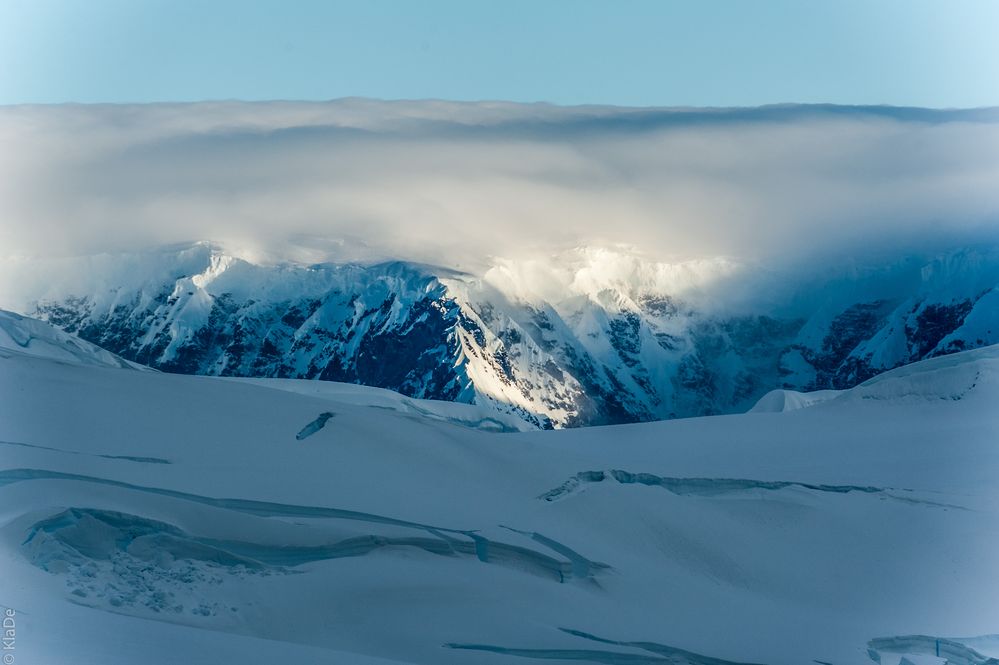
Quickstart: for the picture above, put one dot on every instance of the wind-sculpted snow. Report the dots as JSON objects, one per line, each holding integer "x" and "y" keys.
{"x": 122, "y": 562}
{"x": 462, "y": 415}
{"x": 441, "y": 540}
{"x": 590, "y": 337}
{"x": 790, "y": 400}
{"x": 20, "y": 334}
{"x": 114, "y": 560}
{"x": 951, "y": 651}
{"x": 952, "y": 377}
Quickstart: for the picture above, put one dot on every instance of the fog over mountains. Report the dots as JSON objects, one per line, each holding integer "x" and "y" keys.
{"x": 566, "y": 265}
{"x": 805, "y": 299}
{"x": 452, "y": 184}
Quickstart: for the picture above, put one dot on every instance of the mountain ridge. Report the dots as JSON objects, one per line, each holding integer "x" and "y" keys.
{"x": 594, "y": 336}
{"x": 221, "y": 516}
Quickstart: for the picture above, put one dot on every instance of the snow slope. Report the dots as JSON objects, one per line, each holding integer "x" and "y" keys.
{"x": 790, "y": 400}
{"x": 467, "y": 415}
{"x": 160, "y": 518}
{"x": 25, "y": 336}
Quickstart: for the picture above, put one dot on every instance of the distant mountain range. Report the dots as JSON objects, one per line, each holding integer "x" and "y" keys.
{"x": 592, "y": 336}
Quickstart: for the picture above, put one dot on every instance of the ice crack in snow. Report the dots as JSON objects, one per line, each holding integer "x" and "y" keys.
{"x": 661, "y": 653}
{"x": 315, "y": 425}
{"x": 445, "y": 541}
{"x": 127, "y": 458}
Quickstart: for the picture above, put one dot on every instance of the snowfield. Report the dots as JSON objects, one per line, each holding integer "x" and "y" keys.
{"x": 157, "y": 518}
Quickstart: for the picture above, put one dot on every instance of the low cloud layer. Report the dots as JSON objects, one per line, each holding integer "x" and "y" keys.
{"x": 455, "y": 184}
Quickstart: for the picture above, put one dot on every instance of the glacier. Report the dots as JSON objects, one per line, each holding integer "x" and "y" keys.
{"x": 156, "y": 517}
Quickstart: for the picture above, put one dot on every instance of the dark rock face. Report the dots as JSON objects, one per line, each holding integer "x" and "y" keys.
{"x": 405, "y": 352}
{"x": 732, "y": 363}
{"x": 402, "y": 327}
{"x": 405, "y": 358}
{"x": 834, "y": 366}
{"x": 847, "y": 355}
{"x": 933, "y": 323}
{"x": 624, "y": 337}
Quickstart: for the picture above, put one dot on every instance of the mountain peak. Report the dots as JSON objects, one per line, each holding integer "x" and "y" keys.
{"x": 590, "y": 335}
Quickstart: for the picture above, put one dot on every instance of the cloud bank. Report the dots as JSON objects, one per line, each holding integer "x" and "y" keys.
{"x": 454, "y": 184}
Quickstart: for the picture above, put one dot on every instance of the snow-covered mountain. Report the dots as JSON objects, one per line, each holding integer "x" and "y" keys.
{"x": 204, "y": 520}
{"x": 592, "y": 336}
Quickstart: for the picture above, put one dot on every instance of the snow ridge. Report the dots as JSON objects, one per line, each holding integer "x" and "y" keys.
{"x": 591, "y": 336}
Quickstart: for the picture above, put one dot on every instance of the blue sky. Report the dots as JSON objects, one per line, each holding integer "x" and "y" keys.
{"x": 708, "y": 52}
